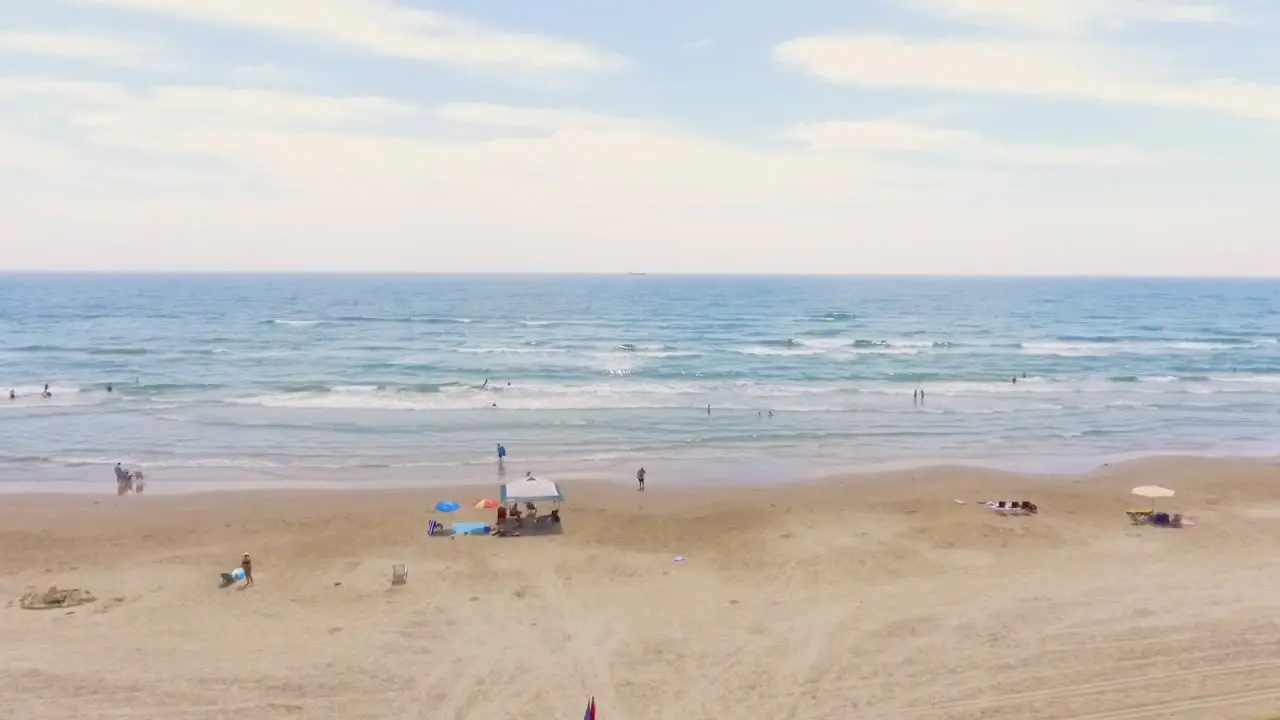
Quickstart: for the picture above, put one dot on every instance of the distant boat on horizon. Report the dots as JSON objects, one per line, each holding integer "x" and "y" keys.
{"x": 636, "y": 274}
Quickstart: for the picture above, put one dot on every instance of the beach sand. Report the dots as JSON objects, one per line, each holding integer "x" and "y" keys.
{"x": 862, "y": 597}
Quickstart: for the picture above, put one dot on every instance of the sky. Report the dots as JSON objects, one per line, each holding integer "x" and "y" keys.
{"x": 990, "y": 137}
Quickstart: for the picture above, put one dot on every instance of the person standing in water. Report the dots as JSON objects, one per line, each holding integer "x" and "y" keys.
{"x": 640, "y": 478}
{"x": 502, "y": 454}
{"x": 108, "y": 387}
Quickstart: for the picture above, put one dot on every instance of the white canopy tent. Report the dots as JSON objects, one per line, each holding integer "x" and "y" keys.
{"x": 530, "y": 489}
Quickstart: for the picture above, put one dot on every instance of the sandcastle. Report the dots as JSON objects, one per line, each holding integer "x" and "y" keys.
{"x": 55, "y": 597}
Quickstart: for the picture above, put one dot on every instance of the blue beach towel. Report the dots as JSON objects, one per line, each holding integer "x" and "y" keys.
{"x": 471, "y": 528}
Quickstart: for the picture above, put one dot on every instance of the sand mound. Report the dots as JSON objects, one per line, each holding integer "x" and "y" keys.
{"x": 56, "y": 597}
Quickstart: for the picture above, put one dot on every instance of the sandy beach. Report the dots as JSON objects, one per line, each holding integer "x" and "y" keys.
{"x": 873, "y": 596}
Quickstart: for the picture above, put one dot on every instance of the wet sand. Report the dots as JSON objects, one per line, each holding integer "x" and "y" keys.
{"x": 871, "y": 596}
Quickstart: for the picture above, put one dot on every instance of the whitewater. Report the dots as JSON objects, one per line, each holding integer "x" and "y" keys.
{"x": 257, "y": 380}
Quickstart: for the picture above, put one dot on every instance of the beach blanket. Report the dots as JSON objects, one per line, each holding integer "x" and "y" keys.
{"x": 437, "y": 529}
{"x": 471, "y": 528}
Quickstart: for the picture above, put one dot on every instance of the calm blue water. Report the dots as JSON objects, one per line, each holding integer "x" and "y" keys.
{"x": 267, "y": 379}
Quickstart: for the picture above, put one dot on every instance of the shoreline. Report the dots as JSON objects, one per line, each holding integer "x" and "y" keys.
{"x": 240, "y": 481}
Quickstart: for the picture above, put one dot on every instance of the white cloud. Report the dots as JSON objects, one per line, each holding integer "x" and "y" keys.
{"x": 266, "y": 73}
{"x": 69, "y": 90}
{"x": 87, "y": 46}
{"x": 879, "y": 135}
{"x": 1072, "y": 15}
{"x": 506, "y": 116}
{"x": 209, "y": 104}
{"x": 95, "y": 104}
{"x": 309, "y": 141}
{"x": 29, "y": 155}
{"x": 304, "y": 170}
{"x": 387, "y": 28}
{"x": 897, "y": 136}
{"x": 1008, "y": 67}
{"x": 275, "y": 180}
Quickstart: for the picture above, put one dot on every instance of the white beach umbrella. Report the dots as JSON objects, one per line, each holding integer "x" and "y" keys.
{"x": 1151, "y": 492}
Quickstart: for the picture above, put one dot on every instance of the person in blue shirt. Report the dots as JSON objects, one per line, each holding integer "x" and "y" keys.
{"x": 502, "y": 453}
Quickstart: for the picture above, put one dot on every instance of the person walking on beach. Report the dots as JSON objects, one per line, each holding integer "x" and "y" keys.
{"x": 247, "y": 565}
{"x": 640, "y": 478}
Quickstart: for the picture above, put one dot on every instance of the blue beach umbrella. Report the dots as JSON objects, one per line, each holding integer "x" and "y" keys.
{"x": 446, "y": 506}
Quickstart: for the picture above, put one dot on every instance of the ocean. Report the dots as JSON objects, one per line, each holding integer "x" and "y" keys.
{"x": 318, "y": 380}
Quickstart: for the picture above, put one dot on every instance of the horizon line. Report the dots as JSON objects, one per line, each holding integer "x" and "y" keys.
{"x": 600, "y": 274}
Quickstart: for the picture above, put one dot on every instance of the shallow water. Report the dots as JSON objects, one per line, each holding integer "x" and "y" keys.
{"x": 276, "y": 379}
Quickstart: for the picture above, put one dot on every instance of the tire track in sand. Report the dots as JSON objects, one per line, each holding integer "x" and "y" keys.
{"x": 594, "y": 667}
{"x": 1204, "y": 702}
{"x": 1070, "y": 691}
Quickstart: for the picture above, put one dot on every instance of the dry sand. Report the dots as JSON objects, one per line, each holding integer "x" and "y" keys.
{"x": 866, "y": 597}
